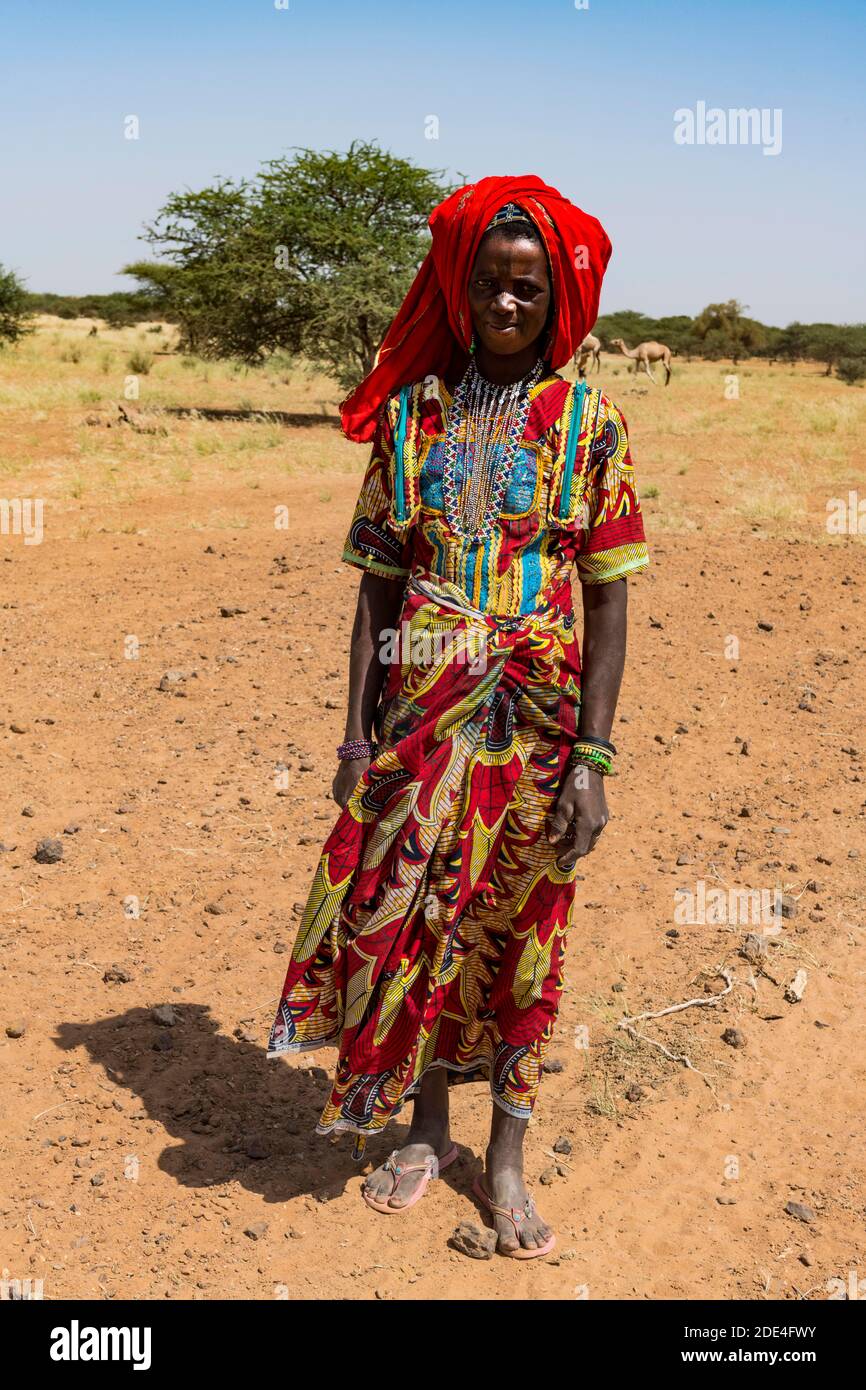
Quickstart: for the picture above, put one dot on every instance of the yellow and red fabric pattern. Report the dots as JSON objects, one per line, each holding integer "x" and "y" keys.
{"x": 435, "y": 928}
{"x": 536, "y": 539}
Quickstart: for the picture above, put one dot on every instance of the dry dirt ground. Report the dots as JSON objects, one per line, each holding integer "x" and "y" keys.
{"x": 151, "y": 1160}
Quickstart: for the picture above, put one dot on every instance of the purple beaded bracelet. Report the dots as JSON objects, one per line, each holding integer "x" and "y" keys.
{"x": 356, "y": 748}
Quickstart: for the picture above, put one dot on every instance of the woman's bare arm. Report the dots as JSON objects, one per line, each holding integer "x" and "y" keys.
{"x": 581, "y": 809}
{"x": 605, "y": 608}
{"x": 379, "y": 603}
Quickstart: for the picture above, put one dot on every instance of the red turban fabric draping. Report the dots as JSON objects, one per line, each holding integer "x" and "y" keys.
{"x": 432, "y": 331}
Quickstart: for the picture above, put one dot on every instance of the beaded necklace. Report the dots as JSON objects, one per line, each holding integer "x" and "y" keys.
{"x": 485, "y": 427}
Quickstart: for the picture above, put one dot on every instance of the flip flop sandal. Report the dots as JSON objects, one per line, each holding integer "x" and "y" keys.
{"x": 431, "y": 1168}
{"x": 515, "y": 1215}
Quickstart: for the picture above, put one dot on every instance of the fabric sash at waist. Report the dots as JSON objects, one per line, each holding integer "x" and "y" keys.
{"x": 447, "y": 595}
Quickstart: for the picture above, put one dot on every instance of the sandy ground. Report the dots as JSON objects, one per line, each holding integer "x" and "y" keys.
{"x": 150, "y": 1160}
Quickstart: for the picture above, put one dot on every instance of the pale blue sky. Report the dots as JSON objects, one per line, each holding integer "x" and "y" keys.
{"x": 585, "y": 98}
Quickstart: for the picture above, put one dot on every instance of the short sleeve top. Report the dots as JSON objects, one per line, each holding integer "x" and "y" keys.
{"x": 540, "y": 536}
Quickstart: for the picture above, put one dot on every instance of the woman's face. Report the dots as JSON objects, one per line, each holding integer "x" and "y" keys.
{"x": 509, "y": 293}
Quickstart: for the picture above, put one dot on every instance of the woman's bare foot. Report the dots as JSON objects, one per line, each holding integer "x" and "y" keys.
{"x": 428, "y": 1137}
{"x": 504, "y": 1185}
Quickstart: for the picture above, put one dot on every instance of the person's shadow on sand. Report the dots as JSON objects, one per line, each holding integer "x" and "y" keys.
{"x": 239, "y": 1116}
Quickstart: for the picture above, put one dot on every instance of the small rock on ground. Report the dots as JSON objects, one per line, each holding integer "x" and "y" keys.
{"x": 164, "y": 1015}
{"x": 478, "y": 1243}
{"x": 49, "y": 852}
{"x": 800, "y": 1210}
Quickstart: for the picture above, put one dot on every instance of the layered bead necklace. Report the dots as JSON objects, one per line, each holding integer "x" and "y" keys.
{"x": 485, "y": 427}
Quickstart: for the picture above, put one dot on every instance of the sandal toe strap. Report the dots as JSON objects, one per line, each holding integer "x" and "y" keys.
{"x": 516, "y": 1214}
{"x": 429, "y": 1165}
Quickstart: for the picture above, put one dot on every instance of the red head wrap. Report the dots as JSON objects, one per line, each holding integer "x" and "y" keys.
{"x": 433, "y": 328}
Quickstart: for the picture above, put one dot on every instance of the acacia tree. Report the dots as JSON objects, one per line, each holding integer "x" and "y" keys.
{"x": 312, "y": 256}
{"x": 724, "y": 331}
{"x": 793, "y": 342}
{"x": 14, "y": 309}
{"x": 829, "y": 343}
{"x": 210, "y": 276}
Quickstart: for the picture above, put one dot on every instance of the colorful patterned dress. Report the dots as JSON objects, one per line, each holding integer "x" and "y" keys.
{"x": 435, "y": 928}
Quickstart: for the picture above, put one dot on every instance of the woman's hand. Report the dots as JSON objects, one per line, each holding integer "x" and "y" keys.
{"x": 348, "y": 775}
{"x": 579, "y": 816}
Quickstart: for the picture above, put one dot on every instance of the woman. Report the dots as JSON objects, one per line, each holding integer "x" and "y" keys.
{"x": 432, "y": 941}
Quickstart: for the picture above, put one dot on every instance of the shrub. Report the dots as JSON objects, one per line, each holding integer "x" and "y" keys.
{"x": 140, "y": 362}
{"x": 14, "y": 311}
{"x": 851, "y": 370}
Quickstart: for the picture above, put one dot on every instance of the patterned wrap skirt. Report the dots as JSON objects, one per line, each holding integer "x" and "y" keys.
{"x": 434, "y": 932}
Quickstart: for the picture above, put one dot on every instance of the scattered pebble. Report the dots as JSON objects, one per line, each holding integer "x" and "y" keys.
{"x": 175, "y": 677}
{"x": 797, "y": 988}
{"x": 754, "y": 946}
{"x": 49, "y": 852}
{"x": 479, "y": 1243}
{"x": 800, "y": 1211}
{"x": 164, "y": 1015}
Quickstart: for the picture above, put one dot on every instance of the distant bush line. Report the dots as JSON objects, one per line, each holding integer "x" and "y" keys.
{"x": 121, "y": 309}
{"x": 842, "y": 346}
{"x": 312, "y": 255}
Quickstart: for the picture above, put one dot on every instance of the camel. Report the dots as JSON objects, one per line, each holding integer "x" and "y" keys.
{"x": 590, "y": 347}
{"x": 645, "y": 353}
